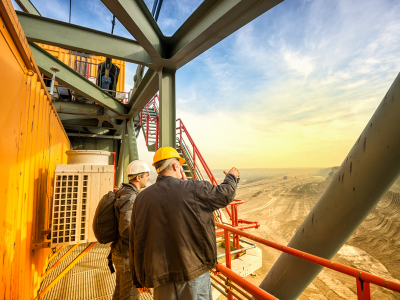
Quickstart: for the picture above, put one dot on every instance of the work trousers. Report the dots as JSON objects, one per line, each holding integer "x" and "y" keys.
{"x": 124, "y": 289}
{"x": 197, "y": 289}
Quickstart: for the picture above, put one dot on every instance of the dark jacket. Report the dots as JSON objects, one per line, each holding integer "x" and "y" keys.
{"x": 123, "y": 210}
{"x": 172, "y": 237}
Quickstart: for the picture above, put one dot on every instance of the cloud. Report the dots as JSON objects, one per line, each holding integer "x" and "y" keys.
{"x": 298, "y": 84}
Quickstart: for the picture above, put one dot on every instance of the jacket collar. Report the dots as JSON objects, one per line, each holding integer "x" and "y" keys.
{"x": 130, "y": 186}
{"x": 162, "y": 177}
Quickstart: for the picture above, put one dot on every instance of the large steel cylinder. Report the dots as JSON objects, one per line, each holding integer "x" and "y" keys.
{"x": 365, "y": 175}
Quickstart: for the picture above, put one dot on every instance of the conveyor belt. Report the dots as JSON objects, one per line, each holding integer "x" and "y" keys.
{"x": 90, "y": 278}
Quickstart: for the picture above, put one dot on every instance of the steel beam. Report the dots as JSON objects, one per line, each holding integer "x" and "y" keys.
{"x": 211, "y": 22}
{"x": 136, "y": 18}
{"x": 133, "y": 150}
{"x": 167, "y": 114}
{"x": 78, "y": 108}
{"x": 73, "y": 80}
{"x": 98, "y": 136}
{"x": 70, "y": 36}
{"x": 125, "y": 158}
{"x": 120, "y": 166}
{"x": 366, "y": 174}
{"x": 147, "y": 88}
{"x": 27, "y": 6}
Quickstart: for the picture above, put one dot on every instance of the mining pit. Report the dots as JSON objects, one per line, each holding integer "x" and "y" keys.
{"x": 280, "y": 206}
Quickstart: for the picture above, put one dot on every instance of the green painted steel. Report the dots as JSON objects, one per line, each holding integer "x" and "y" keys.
{"x": 125, "y": 158}
{"x": 28, "y": 7}
{"x": 133, "y": 150}
{"x": 167, "y": 99}
{"x": 210, "y": 23}
{"x": 73, "y": 80}
{"x": 120, "y": 165}
{"x": 78, "y": 108}
{"x": 73, "y": 37}
{"x": 138, "y": 21}
{"x": 147, "y": 88}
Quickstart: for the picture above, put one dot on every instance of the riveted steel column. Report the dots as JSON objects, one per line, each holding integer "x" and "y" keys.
{"x": 133, "y": 151}
{"x": 167, "y": 108}
{"x": 365, "y": 175}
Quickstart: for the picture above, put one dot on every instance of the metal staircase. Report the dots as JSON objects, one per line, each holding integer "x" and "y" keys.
{"x": 149, "y": 122}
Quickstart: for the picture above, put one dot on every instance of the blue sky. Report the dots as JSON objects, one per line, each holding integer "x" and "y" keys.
{"x": 294, "y": 88}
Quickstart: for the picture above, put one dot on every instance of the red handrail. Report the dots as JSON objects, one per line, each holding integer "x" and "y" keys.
{"x": 363, "y": 279}
{"x": 148, "y": 120}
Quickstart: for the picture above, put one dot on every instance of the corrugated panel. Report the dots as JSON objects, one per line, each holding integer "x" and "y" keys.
{"x": 32, "y": 142}
{"x": 70, "y": 59}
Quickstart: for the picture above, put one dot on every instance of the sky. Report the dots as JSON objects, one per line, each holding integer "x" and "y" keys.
{"x": 293, "y": 88}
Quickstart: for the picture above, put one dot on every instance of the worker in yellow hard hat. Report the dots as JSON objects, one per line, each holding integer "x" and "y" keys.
{"x": 172, "y": 237}
{"x": 163, "y": 158}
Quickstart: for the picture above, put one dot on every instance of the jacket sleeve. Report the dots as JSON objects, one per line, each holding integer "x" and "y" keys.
{"x": 135, "y": 281}
{"x": 125, "y": 206}
{"x": 217, "y": 196}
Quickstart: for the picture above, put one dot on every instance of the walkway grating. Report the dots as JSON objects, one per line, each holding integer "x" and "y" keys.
{"x": 90, "y": 278}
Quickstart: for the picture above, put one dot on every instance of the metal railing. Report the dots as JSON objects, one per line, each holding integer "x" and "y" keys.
{"x": 85, "y": 69}
{"x": 363, "y": 279}
{"x": 145, "y": 115}
{"x": 89, "y": 70}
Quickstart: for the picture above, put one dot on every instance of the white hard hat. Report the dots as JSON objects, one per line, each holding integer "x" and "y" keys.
{"x": 137, "y": 167}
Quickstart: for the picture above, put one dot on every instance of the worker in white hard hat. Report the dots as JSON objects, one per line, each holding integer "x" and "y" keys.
{"x": 138, "y": 174}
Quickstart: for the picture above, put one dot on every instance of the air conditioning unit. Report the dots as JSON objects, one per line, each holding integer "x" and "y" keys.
{"x": 78, "y": 188}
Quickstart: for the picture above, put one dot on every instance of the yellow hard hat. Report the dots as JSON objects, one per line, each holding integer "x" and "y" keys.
{"x": 166, "y": 153}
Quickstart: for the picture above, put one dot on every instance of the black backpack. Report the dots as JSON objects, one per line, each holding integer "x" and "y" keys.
{"x": 105, "y": 223}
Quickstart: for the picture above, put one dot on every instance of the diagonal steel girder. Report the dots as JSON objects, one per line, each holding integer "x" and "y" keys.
{"x": 212, "y": 21}
{"x": 27, "y": 6}
{"x": 73, "y": 80}
{"x": 73, "y": 37}
{"x": 136, "y": 18}
{"x": 147, "y": 88}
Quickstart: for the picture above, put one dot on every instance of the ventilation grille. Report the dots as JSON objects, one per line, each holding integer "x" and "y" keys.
{"x": 69, "y": 224}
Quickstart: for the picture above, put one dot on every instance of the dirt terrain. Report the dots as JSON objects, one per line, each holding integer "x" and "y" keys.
{"x": 280, "y": 206}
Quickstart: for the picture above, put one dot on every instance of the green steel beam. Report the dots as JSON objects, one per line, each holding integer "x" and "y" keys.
{"x": 136, "y": 18}
{"x": 120, "y": 165}
{"x": 167, "y": 108}
{"x": 147, "y": 88}
{"x": 73, "y": 80}
{"x": 125, "y": 158}
{"x": 133, "y": 150}
{"x": 90, "y": 121}
{"x": 28, "y": 7}
{"x": 78, "y": 108}
{"x": 210, "y": 23}
{"x": 61, "y": 34}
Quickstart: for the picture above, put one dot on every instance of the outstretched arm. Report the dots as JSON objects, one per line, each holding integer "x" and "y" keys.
{"x": 219, "y": 196}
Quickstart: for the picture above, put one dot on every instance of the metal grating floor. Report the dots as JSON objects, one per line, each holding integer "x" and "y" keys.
{"x": 90, "y": 278}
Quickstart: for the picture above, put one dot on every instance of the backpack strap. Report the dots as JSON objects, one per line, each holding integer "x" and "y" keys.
{"x": 125, "y": 191}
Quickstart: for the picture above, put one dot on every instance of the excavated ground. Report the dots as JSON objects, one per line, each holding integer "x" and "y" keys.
{"x": 280, "y": 206}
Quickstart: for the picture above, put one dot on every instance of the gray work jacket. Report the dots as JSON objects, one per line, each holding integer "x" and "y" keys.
{"x": 123, "y": 211}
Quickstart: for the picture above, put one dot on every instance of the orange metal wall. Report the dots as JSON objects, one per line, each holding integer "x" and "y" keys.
{"x": 32, "y": 142}
{"x": 68, "y": 59}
